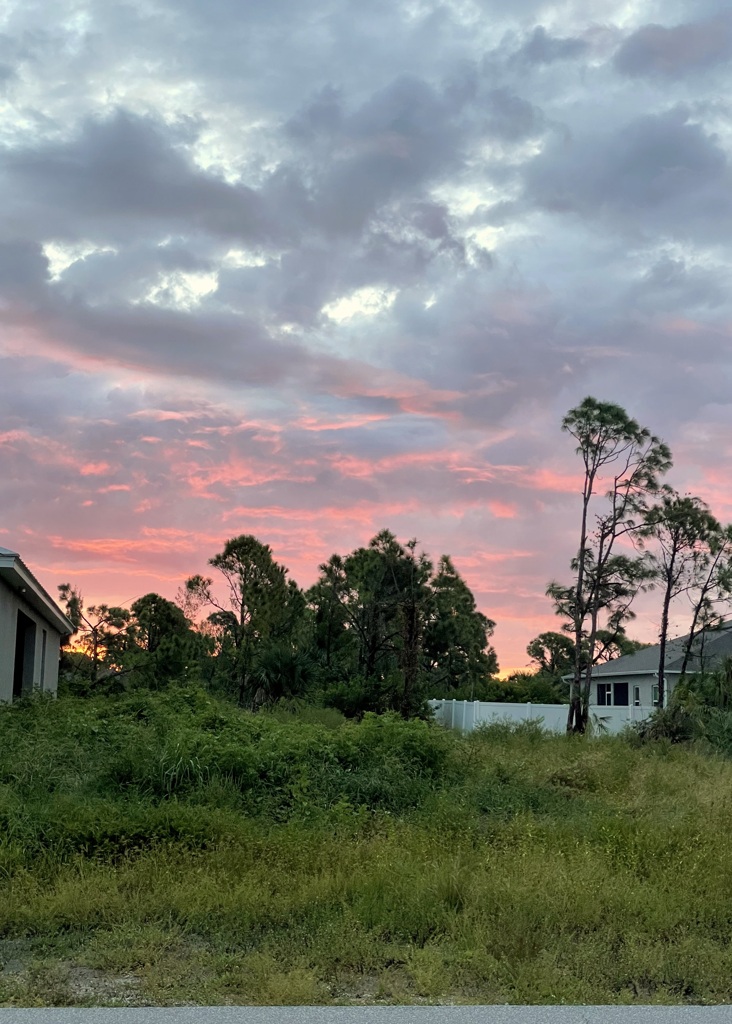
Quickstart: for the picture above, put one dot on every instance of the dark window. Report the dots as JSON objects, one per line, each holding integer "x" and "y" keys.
{"x": 636, "y": 696}
{"x": 621, "y": 695}
{"x": 604, "y": 694}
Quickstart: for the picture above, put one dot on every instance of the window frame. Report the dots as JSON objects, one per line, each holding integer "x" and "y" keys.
{"x": 607, "y": 696}
{"x": 607, "y": 693}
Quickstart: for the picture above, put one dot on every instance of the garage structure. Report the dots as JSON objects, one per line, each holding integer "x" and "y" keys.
{"x": 32, "y": 627}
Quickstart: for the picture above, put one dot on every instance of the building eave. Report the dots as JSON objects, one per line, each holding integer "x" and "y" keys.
{"x": 622, "y": 675}
{"x": 21, "y": 580}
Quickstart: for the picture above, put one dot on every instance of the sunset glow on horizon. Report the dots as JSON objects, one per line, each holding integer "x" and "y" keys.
{"x": 309, "y": 271}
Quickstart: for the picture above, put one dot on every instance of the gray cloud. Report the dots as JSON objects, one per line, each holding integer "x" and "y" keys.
{"x": 400, "y": 138}
{"x": 512, "y": 118}
{"x": 660, "y": 173}
{"x": 677, "y": 51}
{"x": 124, "y": 173}
{"x": 23, "y": 269}
{"x": 543, "y": 48}
{"x": 674, "y": 285}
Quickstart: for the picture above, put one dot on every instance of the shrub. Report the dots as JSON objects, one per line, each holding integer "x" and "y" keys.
{"x": 675, "y": 723}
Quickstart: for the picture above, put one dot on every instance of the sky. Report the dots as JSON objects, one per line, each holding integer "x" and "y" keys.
{"x": 309, "y": 269}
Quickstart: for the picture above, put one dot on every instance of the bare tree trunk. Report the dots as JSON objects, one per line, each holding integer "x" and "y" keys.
{"x": 95, "y": 656}
{"x": 584, "y": 701}
{"x": 690, "y": 642}
{"x": 700, "y": 604}
{"x": 662, "y": 648}
{"x": 574, "y": 715}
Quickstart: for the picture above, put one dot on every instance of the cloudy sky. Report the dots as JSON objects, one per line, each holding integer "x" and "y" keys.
{"x": 311, "y": 268}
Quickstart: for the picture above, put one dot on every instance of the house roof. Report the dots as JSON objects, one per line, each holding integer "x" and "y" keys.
{"x": 714, "y": 644}
{"x": 16, "y": 574}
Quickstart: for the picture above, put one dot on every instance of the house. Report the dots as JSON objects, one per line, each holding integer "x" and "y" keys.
{"x": 31, "y": 628}
{"x": 632, "y": 681}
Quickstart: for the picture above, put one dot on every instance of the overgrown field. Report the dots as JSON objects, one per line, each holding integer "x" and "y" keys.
{"x": 168, "y": 848}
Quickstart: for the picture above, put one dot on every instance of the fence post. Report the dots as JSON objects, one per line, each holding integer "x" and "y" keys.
{"x": 465, "y": 714}
{"x": 528, "y": 711}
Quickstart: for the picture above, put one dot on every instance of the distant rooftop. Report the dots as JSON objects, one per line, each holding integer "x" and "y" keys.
{"x": 715, "y": 644}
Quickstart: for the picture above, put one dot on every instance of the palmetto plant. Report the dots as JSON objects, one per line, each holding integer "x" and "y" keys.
{"x": 280, "y": 671}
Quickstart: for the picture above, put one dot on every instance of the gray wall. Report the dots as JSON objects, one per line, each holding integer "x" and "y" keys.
{"x": 44, "y": 671}
{"x": 645, "y": 683}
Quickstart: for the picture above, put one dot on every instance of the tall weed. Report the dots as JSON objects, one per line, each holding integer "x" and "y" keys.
{"x": 224, "y": 856}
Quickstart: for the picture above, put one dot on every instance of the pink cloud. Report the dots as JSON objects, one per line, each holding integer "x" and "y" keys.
{"x": 10, "y": 438}
{"x": 549, "y": 480}
{"x": 503, "y": 509}
{"x": 166, "y": 415}
{"x": 317, "y": 425}
{"x": 236, "y": 473}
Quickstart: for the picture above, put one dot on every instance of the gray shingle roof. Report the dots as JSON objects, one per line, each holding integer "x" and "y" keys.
{"x": 713, "y": 647}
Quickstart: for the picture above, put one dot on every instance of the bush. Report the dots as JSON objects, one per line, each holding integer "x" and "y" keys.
{"x": 698, "y": 711}
{"x": 357, "y": 696}
{"x": 676, "y": 723}
{"x": 523, "y": 688}
{"x": 184, "y": 745}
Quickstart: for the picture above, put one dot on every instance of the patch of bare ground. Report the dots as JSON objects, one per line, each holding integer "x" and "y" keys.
{"x": 30, "y": 982}
{"x": 385, "y": 988}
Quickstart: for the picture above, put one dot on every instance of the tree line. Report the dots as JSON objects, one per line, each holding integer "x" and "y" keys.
{"x": 384, "y": 628}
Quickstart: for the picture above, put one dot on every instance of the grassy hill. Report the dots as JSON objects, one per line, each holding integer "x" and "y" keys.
{"x": 169, "y": 848}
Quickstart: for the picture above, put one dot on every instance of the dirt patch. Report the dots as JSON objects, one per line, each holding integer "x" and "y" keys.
{"x": 384, "y": 989}
{"x": 63, "y": 983}
{"x": 85, "y": 983}
{"x": 11, "y": 968}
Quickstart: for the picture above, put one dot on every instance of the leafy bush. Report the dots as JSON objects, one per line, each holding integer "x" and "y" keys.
{"x": 183, "y": 745}
{"x": 676, "y": 723}
{"x": 698, "y": 711}
{"x": 523, "y": 688}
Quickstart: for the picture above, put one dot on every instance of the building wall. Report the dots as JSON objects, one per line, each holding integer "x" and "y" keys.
{"x": 646, "y": 685}
{"x": 42, "y": 673}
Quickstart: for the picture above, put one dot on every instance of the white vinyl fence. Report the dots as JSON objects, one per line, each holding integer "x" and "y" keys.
{"x": 467, "y": 715}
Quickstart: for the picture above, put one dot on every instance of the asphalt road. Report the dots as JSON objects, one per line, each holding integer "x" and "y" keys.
{"x": 376, "y": 1015}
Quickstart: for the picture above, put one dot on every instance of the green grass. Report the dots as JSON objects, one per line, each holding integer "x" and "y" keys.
{"x": 169, "y": 848}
